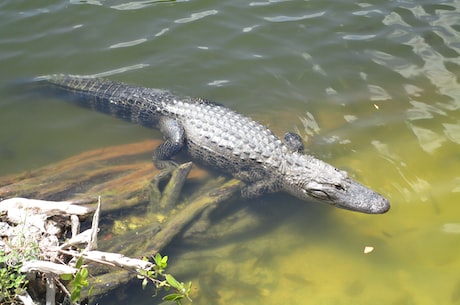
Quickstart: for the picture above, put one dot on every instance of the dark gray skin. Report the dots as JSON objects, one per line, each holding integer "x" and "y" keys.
{"x": 223, "y": 139}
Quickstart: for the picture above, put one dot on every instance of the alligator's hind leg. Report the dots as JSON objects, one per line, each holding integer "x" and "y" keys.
{"x": 174, "y": 136}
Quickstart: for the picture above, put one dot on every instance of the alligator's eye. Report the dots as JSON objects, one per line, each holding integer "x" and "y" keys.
{"x": 339, "y": 187}
{"x": 320, "y": 194}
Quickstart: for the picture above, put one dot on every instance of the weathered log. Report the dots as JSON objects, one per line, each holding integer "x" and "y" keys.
{"x": 117, "y": 174}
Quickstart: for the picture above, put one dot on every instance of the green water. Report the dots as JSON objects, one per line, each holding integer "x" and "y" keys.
{"x": 372, "y": 87}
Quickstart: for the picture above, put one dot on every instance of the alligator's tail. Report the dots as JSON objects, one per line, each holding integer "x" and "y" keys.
{"x": 131, "y": 103}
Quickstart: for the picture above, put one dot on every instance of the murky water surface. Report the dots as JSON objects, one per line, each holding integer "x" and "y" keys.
{"x": 372, "y": 87}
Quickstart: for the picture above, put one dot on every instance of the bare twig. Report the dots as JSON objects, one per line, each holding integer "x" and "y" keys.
{"x": 94, "y": 227}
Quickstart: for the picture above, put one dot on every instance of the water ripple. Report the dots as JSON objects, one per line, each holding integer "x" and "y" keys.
{"x": 431, "y": 33}
{"x": 93, "y": 2}
{"x": 119, "y": 70}
{"x": 249, "y": 28}
{"x": 135, "y": 5}
{"x": 429, "y": 140}
{"x": 369, "y": 12}
{"x": 452, "y": 132}
{"x": 163, "y": 31}
{"x": 263, "y": 3}
{"x": 421, "y": 111}
{"x": 218, "y": 83}
{"x": 358, "y": 37}
{"x": 397, "y": 64}
{"x": 197, "y": 16}
{"x": 378, "y": 93}
{"x": 293, "y": 18}
{"x": 435, "y": 69}
{"x": 128, "y": 43}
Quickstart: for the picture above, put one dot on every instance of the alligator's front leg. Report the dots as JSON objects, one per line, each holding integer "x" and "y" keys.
{"x": 261, "y": 187}
{"x": 294, "y": 142}
{"x": 260, "y": 184}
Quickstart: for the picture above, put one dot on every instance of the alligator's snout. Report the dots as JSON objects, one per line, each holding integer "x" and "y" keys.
{"x": 357, "y": 197}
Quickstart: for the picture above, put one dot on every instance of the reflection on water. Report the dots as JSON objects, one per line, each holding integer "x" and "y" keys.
{"x": 372, "y": 87}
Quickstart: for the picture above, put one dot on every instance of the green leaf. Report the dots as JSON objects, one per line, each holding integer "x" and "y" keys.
{"x": 173, "y": 297}
{"x": 90, "y": 292}
{"x": 84, "y": 273}
{"x": 158, "y": 259}
{"x": 66, "y": 277}
{"x": 144, "y": 283}
{"x": 79, "y": 263}
{"x": 77, "y": 278}
{"x": 161, "y": 262}
{"x": 75, "y": 295}
{"x": 173, "y": 282}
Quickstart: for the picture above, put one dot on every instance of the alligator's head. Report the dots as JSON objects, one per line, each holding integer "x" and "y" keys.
{"x": 309, "y": 178}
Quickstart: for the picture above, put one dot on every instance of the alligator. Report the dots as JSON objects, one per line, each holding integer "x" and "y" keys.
{"x": 223, "y": 139}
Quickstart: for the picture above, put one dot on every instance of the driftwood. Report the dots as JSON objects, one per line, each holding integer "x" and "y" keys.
{"x": 39, "y": 224}
{"x": 123, "y": 181}
{"x": 52, "y": 264}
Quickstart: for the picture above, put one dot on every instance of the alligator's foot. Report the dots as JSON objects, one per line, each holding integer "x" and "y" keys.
{"x": 164, "y": 200}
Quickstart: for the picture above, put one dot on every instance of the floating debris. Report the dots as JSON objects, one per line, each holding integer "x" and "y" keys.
{"x": 368, "y": 249}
